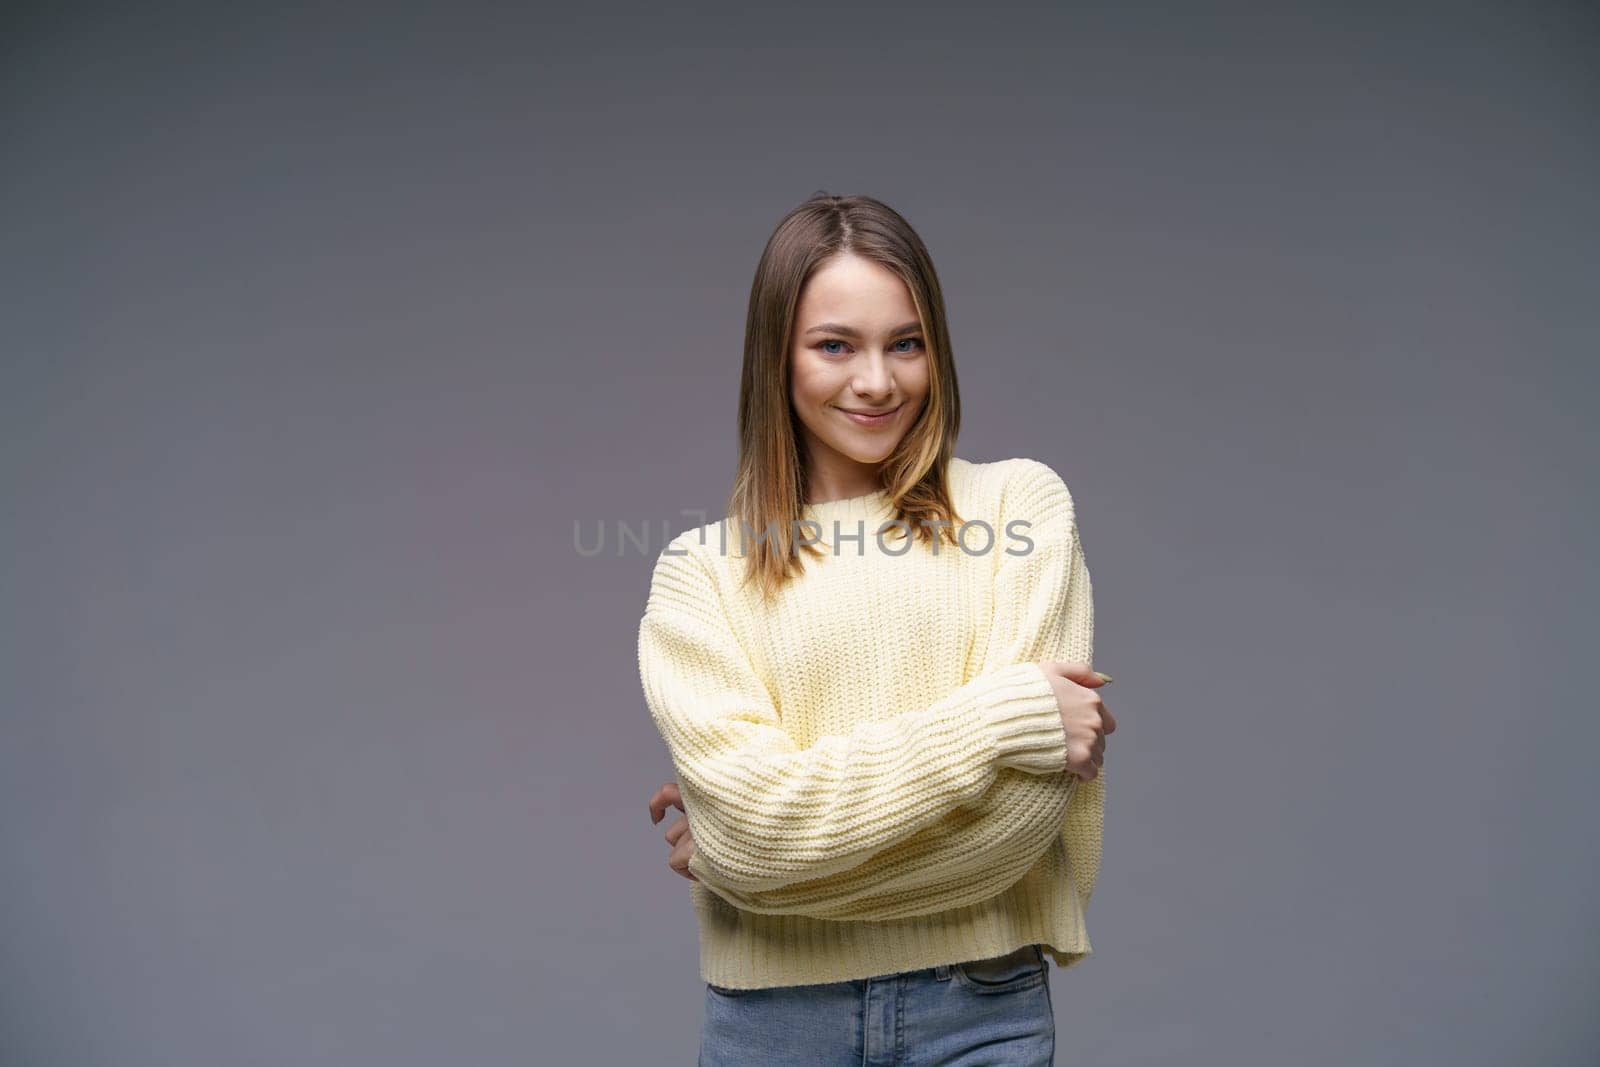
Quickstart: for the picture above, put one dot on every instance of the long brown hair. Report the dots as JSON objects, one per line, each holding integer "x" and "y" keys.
{"x": 768, "y": 490}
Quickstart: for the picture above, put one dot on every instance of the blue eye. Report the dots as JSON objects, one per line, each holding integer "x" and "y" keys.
{"x": 914, "y": 341}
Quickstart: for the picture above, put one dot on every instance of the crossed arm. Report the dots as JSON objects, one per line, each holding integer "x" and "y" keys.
{"x": 924, "y": 811}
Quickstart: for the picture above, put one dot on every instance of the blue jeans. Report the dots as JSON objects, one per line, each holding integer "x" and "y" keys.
{"x": 992, "y": 1011}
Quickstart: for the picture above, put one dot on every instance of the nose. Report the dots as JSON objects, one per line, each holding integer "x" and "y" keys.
{"x": 874, "y": 377}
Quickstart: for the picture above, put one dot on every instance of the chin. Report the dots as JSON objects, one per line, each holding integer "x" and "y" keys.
{"x": 876, "y": 451}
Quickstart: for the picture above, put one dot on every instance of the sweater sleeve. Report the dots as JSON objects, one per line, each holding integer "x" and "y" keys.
{"x": 1043, "y": 609}
{"x": 766, "y": 813}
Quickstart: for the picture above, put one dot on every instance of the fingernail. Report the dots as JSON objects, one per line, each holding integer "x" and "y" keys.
{"x": 1103, "y": 676}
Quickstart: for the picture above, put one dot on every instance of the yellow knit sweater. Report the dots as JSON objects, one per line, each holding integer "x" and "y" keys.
{"x": 872, "y": 766}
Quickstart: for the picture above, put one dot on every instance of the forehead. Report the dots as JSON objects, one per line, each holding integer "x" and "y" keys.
{"x": 856, "y": 292}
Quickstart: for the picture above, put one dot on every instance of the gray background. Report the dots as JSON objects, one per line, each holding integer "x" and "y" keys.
{"x": 322, "y": 328}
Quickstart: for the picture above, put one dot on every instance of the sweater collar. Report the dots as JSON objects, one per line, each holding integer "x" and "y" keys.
{"x": 874, "y": 505}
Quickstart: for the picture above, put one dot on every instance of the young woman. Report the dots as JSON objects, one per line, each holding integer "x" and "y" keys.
{"x": 873, "y": 678}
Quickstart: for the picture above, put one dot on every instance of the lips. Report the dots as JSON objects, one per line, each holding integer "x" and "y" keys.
{"x": 872, "y": 419}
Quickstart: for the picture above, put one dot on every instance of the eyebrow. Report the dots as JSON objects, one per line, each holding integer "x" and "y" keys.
{"x": 851, "y": 331}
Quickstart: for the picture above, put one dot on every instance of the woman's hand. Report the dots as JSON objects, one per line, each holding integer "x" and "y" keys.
{"x": 677, "y": 834}
{"x": 1084, "y": 715}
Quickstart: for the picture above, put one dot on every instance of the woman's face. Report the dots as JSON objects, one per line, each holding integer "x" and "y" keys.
{"x": 858, "y": 347}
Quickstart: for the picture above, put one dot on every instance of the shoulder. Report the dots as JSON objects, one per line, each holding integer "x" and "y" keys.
{"x": 680, "y": 572}
{"x": 1018, "y": 487}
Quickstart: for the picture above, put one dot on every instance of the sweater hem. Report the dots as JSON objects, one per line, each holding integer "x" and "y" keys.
{"x": 747, "y": 950}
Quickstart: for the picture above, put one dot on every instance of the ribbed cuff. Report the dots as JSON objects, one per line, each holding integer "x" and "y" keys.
{"x": 1025, "y": 720}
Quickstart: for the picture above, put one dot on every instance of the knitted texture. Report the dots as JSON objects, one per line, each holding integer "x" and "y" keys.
{"x": 873, "y": 765}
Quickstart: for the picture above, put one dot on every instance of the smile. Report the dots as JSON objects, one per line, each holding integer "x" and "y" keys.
{"x": 872, "y": 420}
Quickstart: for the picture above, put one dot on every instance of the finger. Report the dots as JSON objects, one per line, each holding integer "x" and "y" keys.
{"x": 1079, "y": 673}
{"x": 665, "y": 797}
{"x": 679, "y": 827}
{"x": 679, "y": 859}
{"x": 1109, "y": 719}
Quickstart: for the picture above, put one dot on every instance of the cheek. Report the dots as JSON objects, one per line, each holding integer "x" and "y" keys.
{"x": 810, "y": 385}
